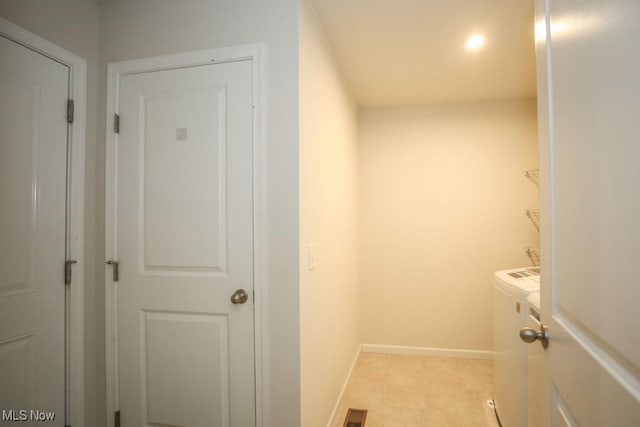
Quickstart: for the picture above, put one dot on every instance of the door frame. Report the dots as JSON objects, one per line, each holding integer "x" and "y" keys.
{"x": 75, "y": 210}
{"x": 546, "y": 160}
{"x": 255, "y": 53}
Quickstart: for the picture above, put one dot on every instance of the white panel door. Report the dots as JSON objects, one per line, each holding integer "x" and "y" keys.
{"x": 33, "y": 153}
{"x": 184, "y": 243}
{"x": 589, "y": 111}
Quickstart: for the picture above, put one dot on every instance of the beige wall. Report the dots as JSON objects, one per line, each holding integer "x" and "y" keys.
{"x": 442, "y": 195}
{"x": 142, "y": 28}
{"x": 329, "y": 330}
{"x": 74, "y": 26}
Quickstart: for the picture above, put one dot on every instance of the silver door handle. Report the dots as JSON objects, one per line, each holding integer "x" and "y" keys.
{"x": 530, "y": 335}
{"x": 240, "y": 296}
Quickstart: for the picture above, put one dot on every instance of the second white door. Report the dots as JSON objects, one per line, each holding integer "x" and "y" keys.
{"x": 184, "y": 247}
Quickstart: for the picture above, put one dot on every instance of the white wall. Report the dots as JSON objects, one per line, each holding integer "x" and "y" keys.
{"x": 442, "y": 195}
{"x": 74, "y": 26}
{"x": 329, "y": 331}
{"x": 142, "y": 28}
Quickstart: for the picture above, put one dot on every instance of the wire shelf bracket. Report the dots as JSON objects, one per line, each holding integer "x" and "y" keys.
{"x": 534, "y": 255}
{"x": 533, "y": 176}
{"x": 534, "y": 216}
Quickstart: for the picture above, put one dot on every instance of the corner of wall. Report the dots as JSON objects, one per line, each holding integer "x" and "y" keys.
{"x": 328, "y": 223}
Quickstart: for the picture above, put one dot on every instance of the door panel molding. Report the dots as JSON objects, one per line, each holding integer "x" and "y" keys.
{"x": 75, "y": 208}
{"x": 253, "y": 52}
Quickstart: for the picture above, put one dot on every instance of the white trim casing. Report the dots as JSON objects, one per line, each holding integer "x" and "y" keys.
{"x": 255, "y": 53}
{"x": 75, "y": 205}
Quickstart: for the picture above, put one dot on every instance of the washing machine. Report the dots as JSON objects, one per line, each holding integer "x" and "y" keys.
{"x": 511, "y": 288}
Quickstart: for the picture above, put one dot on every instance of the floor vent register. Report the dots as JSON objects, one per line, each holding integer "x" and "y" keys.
{"x": 355, "y": 418}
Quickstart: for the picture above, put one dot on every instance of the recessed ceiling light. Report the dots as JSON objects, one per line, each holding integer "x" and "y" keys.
{"x": 475, "y": 42}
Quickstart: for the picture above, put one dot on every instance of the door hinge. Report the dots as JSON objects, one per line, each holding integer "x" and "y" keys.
{"x": 70, "y": 111}
{"x": 116, "y": 419}
{"x": 116, "y": 123}
{"x": 67, "y": 271}
{"x": 115, "y": 272}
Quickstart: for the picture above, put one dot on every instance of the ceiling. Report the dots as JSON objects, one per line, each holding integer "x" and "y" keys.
{"x": 408, "y": 52}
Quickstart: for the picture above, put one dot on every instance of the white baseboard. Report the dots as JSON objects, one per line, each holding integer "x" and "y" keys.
{"x": 334, "y": 413}
{"x": 426, "y": 351}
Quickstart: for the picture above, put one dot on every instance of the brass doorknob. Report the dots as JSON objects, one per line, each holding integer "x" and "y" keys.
{"x": 240, "y": 296}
